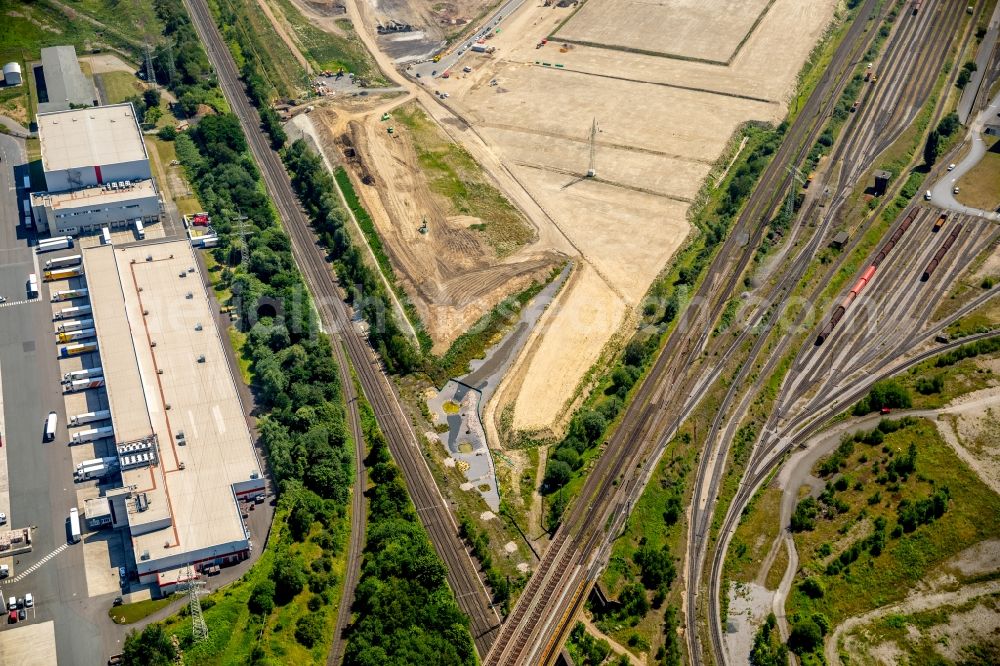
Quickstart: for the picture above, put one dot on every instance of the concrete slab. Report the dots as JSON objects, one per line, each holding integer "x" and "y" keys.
{"x": 29, "y": 644}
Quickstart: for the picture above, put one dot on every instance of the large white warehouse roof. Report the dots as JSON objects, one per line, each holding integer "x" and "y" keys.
{"x": 90, "y": 137}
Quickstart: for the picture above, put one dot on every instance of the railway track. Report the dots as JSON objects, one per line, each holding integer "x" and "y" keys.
{"x": 434, "y": 512}
{"x": 607, "y": 494}
{"x": 879, "y": 127}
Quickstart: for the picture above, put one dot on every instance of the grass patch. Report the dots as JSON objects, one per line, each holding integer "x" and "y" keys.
{"x": 238, "y": 340}
{"x": 119, "y": 86}
{"x": 129, "y": 613}
{"x": 869, "y": 493}
{"x": 455, "y": 175}
{"x": 980, "y": 186}
{"x": 754, "y": 535}
{"x": 326, "y": 50}
{"x": 251, "y": 36}
{"x": 235, "y": 633}
{"x": 966, "y": 376}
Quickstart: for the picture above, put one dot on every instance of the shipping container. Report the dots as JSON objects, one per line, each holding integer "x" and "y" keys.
{"x": 106, "y": 236}
{"x": 62, "y": 262}
{"x": 139, "y": 230}
{"x": 69, "y": 313}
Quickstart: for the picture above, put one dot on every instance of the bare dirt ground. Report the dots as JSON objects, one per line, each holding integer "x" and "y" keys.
{"x": 972, "y": 428}
{"x": 663, "y": 122}
{"x": 611, "y": 23}
{"x": 102, "y": 63}
{"x": 451, "y": 273}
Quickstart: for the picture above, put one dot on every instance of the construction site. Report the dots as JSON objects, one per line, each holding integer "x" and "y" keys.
{"x": 457, "y": 245}
{"x": 612, "y": 142}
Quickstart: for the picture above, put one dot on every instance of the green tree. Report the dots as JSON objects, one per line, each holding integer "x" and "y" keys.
{"x": 656, "y": 566}
{"x": 151, "y": 647}
{"x": 557, "y": 475}
{"x": 261, "y": 600}
{"x": 309, "y": 629}
{"x": 767, "y": 651}
{"x": 805, "y": 636}
{"x": 289, "y": 577}
{"x": 931, "y": 147}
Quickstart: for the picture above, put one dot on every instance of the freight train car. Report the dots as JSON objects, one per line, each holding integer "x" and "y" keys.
{"x": 948, "y": 242}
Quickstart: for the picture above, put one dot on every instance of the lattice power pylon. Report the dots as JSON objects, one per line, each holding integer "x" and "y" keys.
{"x": 199, "y": 629}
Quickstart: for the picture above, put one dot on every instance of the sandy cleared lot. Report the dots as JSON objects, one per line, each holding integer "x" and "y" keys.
{"x": 583, "y": 320}
{"x": 663, "y": 122}
{"x": 32, "y": 644}
{"x": 451, "y": 273}
{"x": 673, "y": 28}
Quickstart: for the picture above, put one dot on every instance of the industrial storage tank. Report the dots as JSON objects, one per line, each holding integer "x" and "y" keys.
{"x": 12, "y": 74}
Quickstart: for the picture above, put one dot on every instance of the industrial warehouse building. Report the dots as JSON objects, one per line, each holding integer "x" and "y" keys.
{"x": 185, "y": 450}
{"x": 97, "y": 171}
{"x": 63, "y": 84}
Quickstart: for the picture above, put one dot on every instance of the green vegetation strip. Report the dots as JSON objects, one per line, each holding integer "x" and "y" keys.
{"x": 129, "y": 613}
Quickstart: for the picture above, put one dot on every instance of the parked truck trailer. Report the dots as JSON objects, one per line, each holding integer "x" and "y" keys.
{"x": 70, "y": 294}
{"x": 53, "y": 244}
{"x": 70, "y": 313}
{"x": 90, "y": 417}
{"x": 62, "y": 262}
{"x": 92, "y": 435}
{"x": 78, "y": 348}
{"x": 64, "y": 273}
{"x": 82, "y": 334}
{"x": 67, "y": 325}
{"x": 82, "y": 374}
{"x": 78, "y": 385}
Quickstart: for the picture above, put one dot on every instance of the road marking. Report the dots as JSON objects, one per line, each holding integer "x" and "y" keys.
{"x": 38, "y": 565}
{"x": 7, "y": 304}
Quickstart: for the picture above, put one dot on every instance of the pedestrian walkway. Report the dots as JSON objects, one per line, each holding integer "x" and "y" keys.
{"x": 8, "y": 304}
{"x": 38, "y": 565}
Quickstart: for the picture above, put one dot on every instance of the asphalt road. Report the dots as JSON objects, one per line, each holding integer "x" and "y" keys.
{"x": 41, "y": 487}
{"x": 942, "y": 192}
{"x": 430, "y": 69}
{"x": 982, "y": 60}
{"x": 434, "y": 512}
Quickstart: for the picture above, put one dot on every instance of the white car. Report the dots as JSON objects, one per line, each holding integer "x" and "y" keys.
{"x": 927, "y": 195}
{"x": 29, "y": 600}
{"x": 950, "y": 167}
{"x": 3, "y": 299}
{"x": 4, "y": 570}
{"x": 3, "y": 518}
{"x": 955, "y": 191}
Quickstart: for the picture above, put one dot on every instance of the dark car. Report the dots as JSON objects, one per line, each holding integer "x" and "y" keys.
{"x": 22, "y": 614}
{"x": 117, "y": 601}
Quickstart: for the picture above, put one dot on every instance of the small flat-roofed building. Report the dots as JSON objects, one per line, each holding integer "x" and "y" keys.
{"x": 184, "y": 447}
{"x": 65, "y": 84}
{"x": 12, "y": 74}
{"x": 96, "y": 169}
{"x": 97, "y": 511}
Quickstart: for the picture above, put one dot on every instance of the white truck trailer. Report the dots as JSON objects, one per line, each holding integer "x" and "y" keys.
{"x": 69, "y": 294}
{"x": 90, "y": 417}
{"x": 74, "y": 525}
{"x": 82, "y": 374}
{"x": 91, "y": 435}
{"x": 53, "y": 244}
{"x": 74, "y": 325}
{"x": 61, "y": 262}
{"x": 97, "y": 468}
{"x": 78, "y": 385}
{"x": 70, "y": 313}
